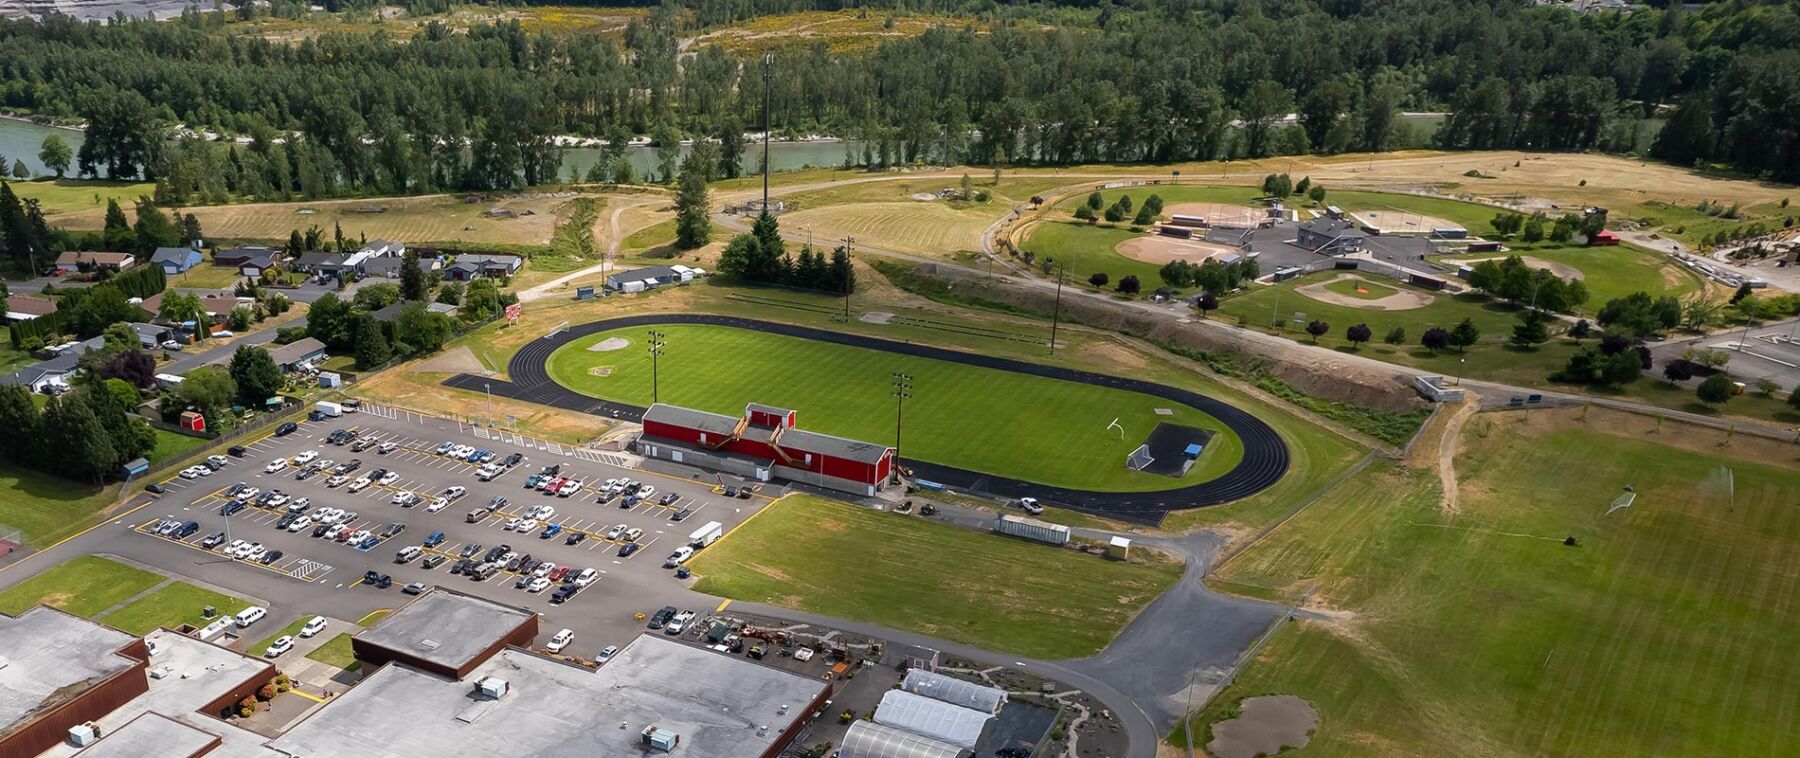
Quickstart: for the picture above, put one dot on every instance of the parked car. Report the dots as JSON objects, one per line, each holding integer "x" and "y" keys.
{"x": 538, "y": 584}
{"x": 560, "y": 641}
{"x": 432, "y": 561}
{"x": 385, "y": 448}
{"x": 389, "y": 478}
{"x": 237, "y": 451}
{"x": 606, "y": 654}
{"x": 587, "y": 576}
{"x": 550, "y": 531}
{"x": 471, "y": 549}
{"x": 575, "y": 537}
{"x": 275, "y": 465}
{"x": 305, "y": 457}
{"x": 627, "y": 549}
{"x": 513, "y": 460}
{"x": 661, "y": 617}
{"x": 212, "y": 540}
{"x": 669, "y": 498}
{"x": 476, "y": 515}
{"x": 434, "y": 539}
{"x": 361, "y": 483}
{"x": 216, "y": 462}
{"x": 281, "y": 645}
{"x": 617, "y": 531}
{"x": 393, "y": 529}
{"x": 445, "y": 448}
{"x": 632, "y": 534}
{"x": 250, "y": 616}
{"x": 300, "y": 524}
{"x": 270, "y": 557}
{"x": 414, "y": 588}
{"x": 362, "y": 444}
{"x": 336, "y": 481}
{"x": 680, "y": 556}
{"x": 286, "y": 428}
{"x": 313, "y": 626}
{"x": 437, "y": 504}
{"x": 454, "y": 492}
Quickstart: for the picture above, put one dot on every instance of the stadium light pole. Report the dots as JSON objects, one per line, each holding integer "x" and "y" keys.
{"x": 848, "y": 243}
{"x": 656, "y": 350}
{"x": 768, "y": 73}
{"x": 489, "y": 387}
{"x": 1056, "y": 314}
{"x": 902, "y": 390}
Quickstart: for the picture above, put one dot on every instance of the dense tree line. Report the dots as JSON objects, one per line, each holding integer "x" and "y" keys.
{"x": 761, "y": 256}
{"x": 1172, "y": 80}
{"x": 87, "y": 433}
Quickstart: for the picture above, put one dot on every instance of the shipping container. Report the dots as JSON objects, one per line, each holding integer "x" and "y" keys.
{"x": 1032, "y": 529}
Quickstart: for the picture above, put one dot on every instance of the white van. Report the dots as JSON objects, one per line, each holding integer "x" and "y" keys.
{"x": 251, "y": 615}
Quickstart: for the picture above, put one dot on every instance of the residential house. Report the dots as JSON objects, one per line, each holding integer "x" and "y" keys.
{"x": 249, "y": 260}
{"x": 175, "y": 260}
{"x": 73, "y": 261}
{"x": 320, "y": 262}
{"x": 1330, "y": 236}
{"x": 388, "y": 267}
{"x": 294, "y": 354}
{"x": 468, "y": 267}
{"x": 28, "y": 307}
{"x": 218, "y": 307}
{"x": 151, "y": 306}
{"x": 51, "y": 377}
{"x": 151, "y": 336}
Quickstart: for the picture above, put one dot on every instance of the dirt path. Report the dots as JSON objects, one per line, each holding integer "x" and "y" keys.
{"x": 1446, "y": 458}
{"x": 614, "y": 236}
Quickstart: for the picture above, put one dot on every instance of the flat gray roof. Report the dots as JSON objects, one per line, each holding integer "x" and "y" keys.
{"x": 195, "y": 674}
{"x": 50, "y": 657}
{"x": 721, "y": 706}
{"x": 150, "y": 735}
{"x": 446, "y": 628}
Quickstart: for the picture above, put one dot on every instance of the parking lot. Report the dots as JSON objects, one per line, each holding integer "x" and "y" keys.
{"x": 587, "y": 529}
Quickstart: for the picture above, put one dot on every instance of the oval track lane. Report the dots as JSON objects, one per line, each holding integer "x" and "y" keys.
{"x": 1265, "y": 458}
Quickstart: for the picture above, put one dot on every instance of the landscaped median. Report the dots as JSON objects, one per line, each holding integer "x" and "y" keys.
{"x": 910, "y": 573}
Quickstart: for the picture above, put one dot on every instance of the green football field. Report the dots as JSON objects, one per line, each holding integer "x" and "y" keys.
{"x": 1038, "y": 429}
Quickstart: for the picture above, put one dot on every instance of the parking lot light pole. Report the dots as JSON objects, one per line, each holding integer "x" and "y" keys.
{"x": 656, "y": 350}
{"x": 902, "y": 390}
{"x": 490, "y": 402}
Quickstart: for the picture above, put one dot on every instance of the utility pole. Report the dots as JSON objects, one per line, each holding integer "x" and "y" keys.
{"x": 656, "y": 350}
{"x": 490, "y": 402}
{"x": 1056, "y": 315}
{"x": 902, "y": 390}
{"x": 768, "y": 73}
{"x": 848, "y": 242}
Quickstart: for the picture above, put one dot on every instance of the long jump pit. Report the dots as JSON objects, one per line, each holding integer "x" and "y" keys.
{"x": 1402, "y": 223}
{"x": 1157, "y": 249}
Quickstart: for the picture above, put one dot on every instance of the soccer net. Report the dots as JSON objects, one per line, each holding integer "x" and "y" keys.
{"x": 1139, "y": 458}
{"x": 562, "y": 327}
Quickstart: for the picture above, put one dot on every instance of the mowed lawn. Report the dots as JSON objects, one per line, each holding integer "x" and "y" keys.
{"x": 1042, "y": 430}
{"x": 174, "y": 605}
{"x": 83, "y": 586}
{"x": 45, "y": 508}
{"x": 1279, "y": 303}
{"x": 1613, "y": 272}
{"x": 1669, "y": 630}
{"x": 908, "y": 573}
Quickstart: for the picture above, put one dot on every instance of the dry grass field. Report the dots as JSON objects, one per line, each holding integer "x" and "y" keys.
{"x": 911, "y": 227}
{"x": 841, "y": 31}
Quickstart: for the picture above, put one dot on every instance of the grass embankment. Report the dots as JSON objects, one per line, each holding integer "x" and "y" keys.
{"x": 1043, "y": 430}
{"x": 1662, "y": 633}
{"x": 907, "y": 573}
{"x": 83, "y": 586}
{"x": 45, "y": 508}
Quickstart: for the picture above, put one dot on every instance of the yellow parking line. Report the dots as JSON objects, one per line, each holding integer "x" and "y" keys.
{"x": 722, "y": 605}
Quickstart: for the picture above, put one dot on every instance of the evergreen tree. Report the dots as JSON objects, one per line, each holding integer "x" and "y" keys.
{"x": 693, "y": 225}
{"x": 842, "y": 274}
{"x": 1464, "y": 335}
{"x": 413, "y": 286}
{"x": 19, "y": 417}
{"x": 371, "y": 345}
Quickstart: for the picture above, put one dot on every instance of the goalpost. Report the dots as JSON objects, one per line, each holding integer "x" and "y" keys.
{"x": 555, "y": 330}
{"x": 1139, "y": 459}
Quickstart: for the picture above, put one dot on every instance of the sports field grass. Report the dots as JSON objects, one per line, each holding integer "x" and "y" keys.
{"x": 1260, "y": 305}
{"x": 83, "y": 586}
{"x": 1360, "y": 289}
{"x": 1612, "y": 272}
{"x": 1088, "y": 249}
{"x": 1042, "y": 430}
{"x": 1667, "y": 631}
{"x": 47, "y": 508}
{"x": 174, "y": 605}
{"x": 908, "y": 573}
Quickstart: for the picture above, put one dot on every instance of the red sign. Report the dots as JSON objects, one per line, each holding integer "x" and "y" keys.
{"x": 512, "y": 312}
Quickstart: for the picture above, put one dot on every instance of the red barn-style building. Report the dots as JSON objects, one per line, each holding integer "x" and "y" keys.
{"x": 764, "y": 443}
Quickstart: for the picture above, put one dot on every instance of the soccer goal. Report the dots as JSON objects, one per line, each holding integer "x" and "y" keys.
{"x": 558, "y": 329}
{"x": 1139, "y": 458}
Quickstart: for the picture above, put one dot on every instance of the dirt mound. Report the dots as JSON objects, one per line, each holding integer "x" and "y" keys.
{"x": 1264, "y": 726}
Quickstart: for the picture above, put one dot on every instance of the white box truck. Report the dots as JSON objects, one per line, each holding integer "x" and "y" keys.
{"x": 330, "y": 409}
{"x": 706, "y": 535}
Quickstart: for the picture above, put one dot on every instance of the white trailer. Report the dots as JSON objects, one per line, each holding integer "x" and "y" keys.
{"x": 706, "y": 535}
{"x": 329, "y": 408}
{"x": 1032, "y": 529}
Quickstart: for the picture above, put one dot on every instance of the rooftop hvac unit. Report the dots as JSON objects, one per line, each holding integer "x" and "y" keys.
{"x": 662, "y": 740}
{"x": 83, "y": 735}
{"x": 491, "y": 686}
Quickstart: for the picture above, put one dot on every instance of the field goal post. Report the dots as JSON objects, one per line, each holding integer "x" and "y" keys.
{"x": 558, "y": 329}
{"x": 1140, "y": 458}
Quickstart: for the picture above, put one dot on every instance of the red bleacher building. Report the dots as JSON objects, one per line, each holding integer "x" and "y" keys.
{"x": 764, "y": 443}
